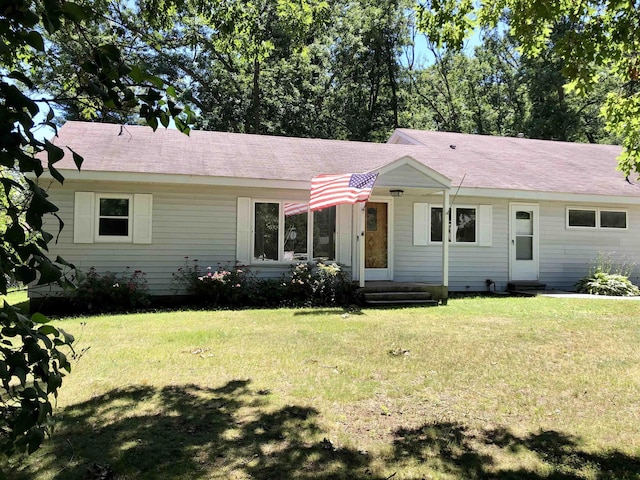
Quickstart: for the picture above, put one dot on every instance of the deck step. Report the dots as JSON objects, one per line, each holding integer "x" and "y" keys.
{"x": 379, "y": 303}
{"x": 393, "y": 293}
{"x": 407, "y": 296}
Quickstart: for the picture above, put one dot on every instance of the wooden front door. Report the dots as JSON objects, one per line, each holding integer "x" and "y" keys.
{"x": 376, "y": 258}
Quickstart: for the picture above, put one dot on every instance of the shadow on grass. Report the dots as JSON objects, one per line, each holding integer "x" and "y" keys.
{"x": 235, "y": 432}
{"x": 460, "y": 452}
{"x": 351, "y": 310}
{"x": 191, "y": 432}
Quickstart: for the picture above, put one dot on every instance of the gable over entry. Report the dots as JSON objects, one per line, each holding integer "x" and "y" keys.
{"x": 410, "y": 177}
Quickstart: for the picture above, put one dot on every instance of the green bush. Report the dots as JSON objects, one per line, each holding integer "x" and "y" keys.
{"x": 34, "y": 358}
{"x": 224, "y": 287}
{"x": 603, "y": 283}
{"x": 110, "y": 292}
{"x": 306, "y": 284}
{"x": 608, "y": 278}
{"x": 319, "y": 284}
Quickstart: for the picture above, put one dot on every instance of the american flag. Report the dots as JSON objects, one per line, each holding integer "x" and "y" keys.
{"x": 295, "y": 209}
{"x": 330, "y": 190}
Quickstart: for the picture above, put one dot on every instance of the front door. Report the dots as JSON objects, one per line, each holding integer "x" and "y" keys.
{"x": 377, "y": 219}
{"x": 523, "y": 244}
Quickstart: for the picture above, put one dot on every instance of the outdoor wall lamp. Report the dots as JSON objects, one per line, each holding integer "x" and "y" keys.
{"x": 396, "y": 193}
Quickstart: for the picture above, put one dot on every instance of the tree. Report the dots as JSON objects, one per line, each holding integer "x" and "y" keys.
{"x": 601, "y": 40}
{"x": 32, "y": 352}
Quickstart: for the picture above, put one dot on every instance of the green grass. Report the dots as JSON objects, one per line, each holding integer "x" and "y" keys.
{"x": 482, "y": 388}
{"x": 17, "y": 298}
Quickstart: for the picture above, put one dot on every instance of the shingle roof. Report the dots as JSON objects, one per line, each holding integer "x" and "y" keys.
{"x": 138, "y": 149}
{"x": 484, "y": 161}
{"x": 525, "y": 164}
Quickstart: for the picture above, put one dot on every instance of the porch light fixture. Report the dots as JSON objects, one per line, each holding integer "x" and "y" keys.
{"x": 396, "y": 193}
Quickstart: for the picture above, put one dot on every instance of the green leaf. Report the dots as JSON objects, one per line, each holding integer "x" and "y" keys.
{"x": 62, "y": 261}
{"x": 34, "y": 39}
{"x": 77, "y": 159}
{"x": 56, "y": 174}
{"x": 136, "y": 74}
{"x": 39, "y": 318}
{"x": 48, "y": 272}
{"x": 112, "y": 52}
{"x": 48, "y": 330}
{"x": 68, "y": 338}
{"x": 75, "y": 12}
{"x": 22, "y": 78}
{"x": 164, "y": 119}
{"x": 153, "y": 122}
{"x": 54, "y": 153}
{"x": 15, "y": 234}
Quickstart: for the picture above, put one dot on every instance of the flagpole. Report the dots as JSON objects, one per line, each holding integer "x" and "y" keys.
{"x": 445, "y": 240}
{"x": 361, "y": 225}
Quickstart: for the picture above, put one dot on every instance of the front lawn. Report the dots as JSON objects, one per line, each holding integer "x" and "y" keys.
{"x": 482, "y": 388}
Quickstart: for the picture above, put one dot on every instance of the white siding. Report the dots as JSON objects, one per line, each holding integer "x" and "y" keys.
{"x": 191, "y": 221}
{"x": 406, "y": 176}
{"x": 469, "y": 265}
{"x": 567, "y": 254}
{"x": 200, "y": 223}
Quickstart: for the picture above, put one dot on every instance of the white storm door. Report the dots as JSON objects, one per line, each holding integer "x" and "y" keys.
{"x": 523, "y": 242}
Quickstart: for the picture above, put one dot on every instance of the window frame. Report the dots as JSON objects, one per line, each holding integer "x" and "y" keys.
{"x": 453, "y": 228}
{"x": 281, "y": 234}
{"x": 598, "y": 212}
{"x": 113, "y": 238}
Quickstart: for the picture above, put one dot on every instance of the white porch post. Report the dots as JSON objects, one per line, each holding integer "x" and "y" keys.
{"x": 445, "y": 239}
{"x": 360, "y": 232}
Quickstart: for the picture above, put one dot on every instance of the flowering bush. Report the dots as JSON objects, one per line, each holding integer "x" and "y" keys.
{"x": 109, "y": 292}
{"x": 225, "y": 286}
{"x": 307, "y": 284}
{"x": 319, "y": 283}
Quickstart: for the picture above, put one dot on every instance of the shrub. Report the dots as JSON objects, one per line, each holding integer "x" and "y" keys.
{"x": 225, "y": 286}
{"x": 608, "y": 278}
{"x": 307, "y": 284}
{"x": 320, "y": 284}
{"x": 602, "y": 283}
{"x": 110, "y": 292}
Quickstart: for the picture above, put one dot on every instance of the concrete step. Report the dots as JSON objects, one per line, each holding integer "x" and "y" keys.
{"x": 524, "y": 285}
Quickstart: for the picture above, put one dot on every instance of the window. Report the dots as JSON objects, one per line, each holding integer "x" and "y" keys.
{"x": 112, "y": 217}
{"x": 324, "y": 238}
{"x": 596, "y": 218}
{"x": 582, "y": 218}
{"x": 611, "y": 219}
{"x": 287, "y": 232}
{"x": 463, "y": 223}
{"x": 436, "y": 224}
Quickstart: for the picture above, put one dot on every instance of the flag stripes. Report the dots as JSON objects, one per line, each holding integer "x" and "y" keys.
{"x": 330, "y": 190}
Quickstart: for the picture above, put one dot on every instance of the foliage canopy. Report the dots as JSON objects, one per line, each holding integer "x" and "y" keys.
{"x": 599, "y": 38}
{"x": 32, "y": 358}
